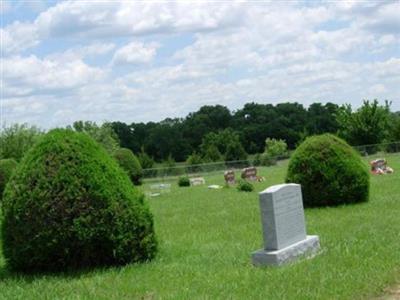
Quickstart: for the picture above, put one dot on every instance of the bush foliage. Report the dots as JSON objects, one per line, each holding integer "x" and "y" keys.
{"x": 244, "y": 186}
{"x": 130, "y": 163}
{"x": 184, "y": 181}
{"x": 274, "y": 149}
{"x": 69, "y": 205}
{"x": 7, "y": 166}
{"x": 330, "y": 172}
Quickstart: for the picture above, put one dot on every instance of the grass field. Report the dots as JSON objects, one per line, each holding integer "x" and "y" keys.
{"x": 206, "y": 238}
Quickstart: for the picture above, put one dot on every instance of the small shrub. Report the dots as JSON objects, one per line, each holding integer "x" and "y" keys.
{"x": 130, "y": 164}
{"x": 245, "y": 186}
{"x": 330, "y": 172}
{"x": 7, "y": 166}
{"x": 69, "y": 205}
{"x": 184, "y": 181}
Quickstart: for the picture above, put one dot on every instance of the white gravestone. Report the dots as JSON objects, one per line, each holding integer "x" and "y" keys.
{"x": 283, "y": 226}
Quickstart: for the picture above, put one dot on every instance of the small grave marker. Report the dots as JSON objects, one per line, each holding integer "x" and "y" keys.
{"x": 197, "y": 181}
{"x": 229, "y": 177}
{"x": 283, "y": 225}
{"x": 249, "y": 173}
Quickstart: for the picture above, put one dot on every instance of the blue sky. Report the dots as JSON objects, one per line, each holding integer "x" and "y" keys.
{"x": 145, "y": 61}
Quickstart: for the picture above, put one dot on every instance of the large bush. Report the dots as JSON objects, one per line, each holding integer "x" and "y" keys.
{"x": 330, "y": 172}
{"x": 69, "y": 205}
{"x": 7, "y": 166}
{"x": 129, "y": 162}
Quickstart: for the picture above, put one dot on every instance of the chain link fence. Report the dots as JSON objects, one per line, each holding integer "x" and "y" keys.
{"x": 171, "y": 173}
{"x": 366, "y": 150}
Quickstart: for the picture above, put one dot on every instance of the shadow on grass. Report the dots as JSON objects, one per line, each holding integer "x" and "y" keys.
{"x": 29, "y": 277}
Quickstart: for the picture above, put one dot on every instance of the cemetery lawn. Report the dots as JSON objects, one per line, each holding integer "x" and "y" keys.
{"x": 206, "y": 238}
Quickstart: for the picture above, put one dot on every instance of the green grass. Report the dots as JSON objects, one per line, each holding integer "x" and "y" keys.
{"x": 206, "y": 238}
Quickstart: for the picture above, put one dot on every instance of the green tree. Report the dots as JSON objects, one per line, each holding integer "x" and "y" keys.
{"x": 256, "y": 122}
{"x": 235, "y": 151}
{"x": 166, "y": 138}
{"x": 194, "y": 159}
{"x": 145, "y": 160}
{"x": 17, "y": 139}
{"x": 103, "y": 134}
{"x": 322, "y": 118}
{"x": 207, "y": 119}
{"x": 273, "y": 149}
{"x": 393, "y": 138}
{"x": 220, "y": 140}
{"x": 367, "y": 125}
{"x": 211, "y": 153}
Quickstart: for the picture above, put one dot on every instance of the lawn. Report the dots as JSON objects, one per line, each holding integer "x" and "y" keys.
{"x": 206, "y": 238}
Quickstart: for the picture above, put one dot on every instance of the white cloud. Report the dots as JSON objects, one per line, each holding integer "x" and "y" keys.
{"x": 120, "y": 18}
{"x": 134, "y": 53}
{"x": 81, "y": 52}
{"x": 25, "y": 76}
{"x": 18, "y": 37}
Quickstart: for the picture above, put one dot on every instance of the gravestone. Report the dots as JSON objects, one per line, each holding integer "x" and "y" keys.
{"x": 159, "y": 188}
{"x": 197, "y": 181}
{"x": 283, "y": 226}
{"x": 229, "y": 177}
{"x": 249, "y": 173}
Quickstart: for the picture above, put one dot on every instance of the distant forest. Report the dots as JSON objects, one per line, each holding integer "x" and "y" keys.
{"x": 178, "y": 138}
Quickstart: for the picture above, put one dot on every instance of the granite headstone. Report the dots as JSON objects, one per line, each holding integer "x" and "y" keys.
{"x": 249, "y": 173}
{"x": 229, "y": 177}
{"x": 283, "y": 226}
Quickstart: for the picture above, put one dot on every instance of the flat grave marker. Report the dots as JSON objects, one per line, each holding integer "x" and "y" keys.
{"x": 197, "y": 181}
{"x": 158, "y": 189}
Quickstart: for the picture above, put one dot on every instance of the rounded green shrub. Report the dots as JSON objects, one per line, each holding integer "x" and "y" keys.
{"x": 69, "y": 205}
{"x": 244, "y": 186}
{"x": 330, "y": 172}
{"x": 130, "y": 163}
{"x": 7, "y": 166}
{"x": 184, "y": 181}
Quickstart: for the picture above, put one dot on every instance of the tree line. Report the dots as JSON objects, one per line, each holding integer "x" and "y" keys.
{"x": 250, "y": 126}
{"x": 214, "y": 133}
{"x": 180, "y": 137}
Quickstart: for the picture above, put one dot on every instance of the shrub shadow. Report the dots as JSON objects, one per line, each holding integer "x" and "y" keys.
{"x": 29, "y": 277}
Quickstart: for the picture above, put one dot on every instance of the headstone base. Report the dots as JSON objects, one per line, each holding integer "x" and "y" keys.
{"x": 307, "y": 247}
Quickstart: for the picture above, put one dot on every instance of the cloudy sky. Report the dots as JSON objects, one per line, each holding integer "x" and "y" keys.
{"x": 63, "y": 61}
